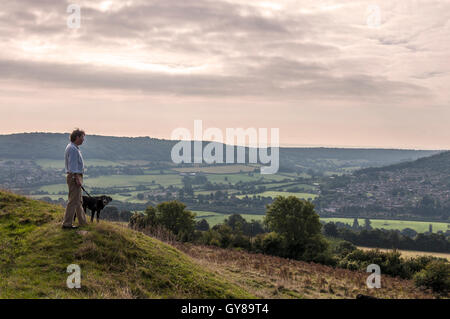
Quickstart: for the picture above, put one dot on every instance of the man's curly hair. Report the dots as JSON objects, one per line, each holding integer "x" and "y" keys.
{"x": 77, "y": 132}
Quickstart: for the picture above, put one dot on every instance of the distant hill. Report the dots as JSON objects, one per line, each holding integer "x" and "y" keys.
{"x": 52, "y": 145}
{"x": 315, "y": 160}
{"x": 419, "y": 188}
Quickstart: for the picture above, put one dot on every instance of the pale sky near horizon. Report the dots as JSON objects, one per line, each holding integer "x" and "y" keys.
{"x": 325, "y": 72}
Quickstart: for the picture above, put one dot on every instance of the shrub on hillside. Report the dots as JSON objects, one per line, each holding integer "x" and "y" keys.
{"x": 171, "y": 216}
{"x": 222, "y": 235}
{"x": 414, "y": 265}
{"x": 343, "y": 248}
{"x": 435, "y": 276}
{"x": 273, "y": 244}
{"x": 389, "y": 262}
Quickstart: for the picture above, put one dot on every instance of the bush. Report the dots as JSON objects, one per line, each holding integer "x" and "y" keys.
{"x": 436, "y": 276}
{"x": 315, "y": 249}
{"x": 389, "y": 262}
{"x": 169, "y": 215}
{"x": 414, "y": 265}
{"x": 344, "y": 248}
{"x": 273, "y": 244}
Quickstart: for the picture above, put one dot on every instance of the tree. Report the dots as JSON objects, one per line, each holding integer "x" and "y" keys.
{"x": 225, "y": 234}
{"x": 330, "y": 229}
{"x": 409, "y": 232}
{"x": 297, "y": 223}
{"x": 253, "y": 228}
{"x": 355, "y": 225}
{"x": 173, "y": 216}
{"x": 367, "y": 224}
{"x": 236, "y": 222}
{"x": 202, "y": 225}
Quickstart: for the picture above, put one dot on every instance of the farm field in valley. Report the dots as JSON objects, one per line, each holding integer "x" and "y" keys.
{"x": 273, "y": 194}
{"x": 226, "y": 169}
{"x": 59, "y": 164}
{"x": 214, "y": 218}
{"x": 412, "y": 253}
{"x": 418, "y": 226}
{"x": 120, "y": 181}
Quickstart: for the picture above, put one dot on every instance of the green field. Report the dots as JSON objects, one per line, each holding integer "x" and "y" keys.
{"x": 419, "y": 227}
{"x": 130, "y": 199}
{"x": 52, "y": 197}
{"x": 119, "y": 181}
{"x": 158, "y": 172}
{"x": 225, "y": 169}
{"x": 59, "y": 164}
{"x": 230, "y": 191}
{"x": 287, "y": 186}
{"x": 234, "y": 178}
{"x": 214, "y": 218}
{"x": 411, "y": 253}
{"x": 273, "y": 194}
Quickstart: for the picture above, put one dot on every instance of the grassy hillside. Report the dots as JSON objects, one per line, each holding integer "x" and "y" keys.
{"x": 115, "y": 261}
{"x": 274, "y": 277}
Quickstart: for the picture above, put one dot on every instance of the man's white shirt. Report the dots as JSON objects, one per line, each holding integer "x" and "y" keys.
{"x": 74, "y": 159}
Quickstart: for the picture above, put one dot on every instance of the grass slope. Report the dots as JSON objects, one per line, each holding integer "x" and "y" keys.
{"x": 115, "y": 262}
{"x": 274, "y": 277}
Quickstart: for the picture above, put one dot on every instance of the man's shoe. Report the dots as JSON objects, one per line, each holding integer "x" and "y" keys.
{"x": 70, "y": 227}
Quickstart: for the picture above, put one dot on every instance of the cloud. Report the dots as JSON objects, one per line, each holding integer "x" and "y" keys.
{"x": 288, "y": 78}
{"x": 286, "y": 52}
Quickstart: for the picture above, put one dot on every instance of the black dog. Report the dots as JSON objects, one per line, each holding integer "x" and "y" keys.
{"x": 365, "y": 297}
{"x": 95, "y": 204}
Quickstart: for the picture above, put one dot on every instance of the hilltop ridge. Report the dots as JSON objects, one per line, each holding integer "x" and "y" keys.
{"x": 115, "y": 262}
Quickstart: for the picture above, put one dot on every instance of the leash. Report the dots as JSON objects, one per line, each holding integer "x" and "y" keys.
{"x": 85, "y": 191}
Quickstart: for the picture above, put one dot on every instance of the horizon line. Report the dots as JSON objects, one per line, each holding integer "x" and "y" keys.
{"x": 282, "y": 145}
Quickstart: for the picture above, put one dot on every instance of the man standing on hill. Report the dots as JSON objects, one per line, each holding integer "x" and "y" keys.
{"x": 74, "y": 170}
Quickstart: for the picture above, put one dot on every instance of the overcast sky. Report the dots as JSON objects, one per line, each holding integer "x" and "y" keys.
{"x": 329, "y": 73}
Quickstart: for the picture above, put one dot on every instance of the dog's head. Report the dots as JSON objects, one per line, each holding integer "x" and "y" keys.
{"x": 105, "y": 199}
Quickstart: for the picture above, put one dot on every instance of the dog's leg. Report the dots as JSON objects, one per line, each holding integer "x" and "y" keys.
{"x": 98, "y": 215}
{"x": 92, "y": 215}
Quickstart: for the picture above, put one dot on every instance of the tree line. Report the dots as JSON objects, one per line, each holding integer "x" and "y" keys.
{"x": 391, "y": 239}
